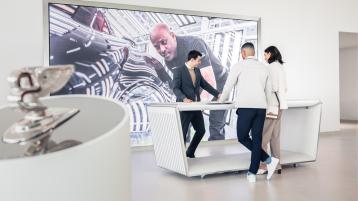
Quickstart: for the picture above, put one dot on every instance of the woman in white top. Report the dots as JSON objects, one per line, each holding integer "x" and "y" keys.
{"x": 271, "y": 131}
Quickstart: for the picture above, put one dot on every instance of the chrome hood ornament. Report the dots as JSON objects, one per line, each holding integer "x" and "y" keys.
{"x": 28, "y": 85}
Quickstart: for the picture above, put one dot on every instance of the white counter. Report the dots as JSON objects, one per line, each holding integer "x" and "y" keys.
{"x": 299, "y": 138}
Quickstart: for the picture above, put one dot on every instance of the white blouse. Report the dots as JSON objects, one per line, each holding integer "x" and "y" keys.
{"x": 279, "y": 84}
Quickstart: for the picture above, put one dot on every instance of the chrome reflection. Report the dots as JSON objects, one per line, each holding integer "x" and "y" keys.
{"x": 28, "y": 85}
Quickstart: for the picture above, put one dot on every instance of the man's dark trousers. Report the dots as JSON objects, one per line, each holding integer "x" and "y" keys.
{"x": 197, "y": 121}
{"x": 252, "y": 119}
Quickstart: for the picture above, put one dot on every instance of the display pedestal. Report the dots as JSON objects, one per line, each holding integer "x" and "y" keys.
{"x": 96, "y": 169}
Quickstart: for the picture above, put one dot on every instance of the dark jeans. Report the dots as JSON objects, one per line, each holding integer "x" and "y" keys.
{"x": 197, "y": 121}
{"x": 252, "y": 119}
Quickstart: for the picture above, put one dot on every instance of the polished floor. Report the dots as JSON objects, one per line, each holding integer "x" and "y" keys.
{"x": 333, "y": 177}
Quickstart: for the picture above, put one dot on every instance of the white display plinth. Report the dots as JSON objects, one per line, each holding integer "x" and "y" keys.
{"x": 300, "y": 128}
{"x": 98, "y": 169}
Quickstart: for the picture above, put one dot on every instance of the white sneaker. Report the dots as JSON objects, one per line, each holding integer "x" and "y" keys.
{"x": 251, "y": 178}
{"x": 261, "y": 171}
{"x": 271, "y": 167}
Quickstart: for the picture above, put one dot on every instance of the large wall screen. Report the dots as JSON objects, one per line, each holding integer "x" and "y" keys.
{"x": 129, "y": 54}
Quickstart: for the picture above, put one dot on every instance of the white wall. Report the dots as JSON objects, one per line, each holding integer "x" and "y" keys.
{"x": 348, "y": 72}
{"x": 20, "y": 38}
{"x": 306, "y": 31}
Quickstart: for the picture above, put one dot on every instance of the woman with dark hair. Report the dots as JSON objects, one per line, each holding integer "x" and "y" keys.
{"x": 271, "y": 131}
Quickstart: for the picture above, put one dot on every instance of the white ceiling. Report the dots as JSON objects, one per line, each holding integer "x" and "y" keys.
{"x": 347, "y": 40}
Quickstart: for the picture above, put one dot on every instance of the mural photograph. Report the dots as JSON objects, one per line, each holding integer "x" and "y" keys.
{"x": 129, "y": 56}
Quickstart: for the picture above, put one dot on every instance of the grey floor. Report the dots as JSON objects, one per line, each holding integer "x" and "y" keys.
{"x": 334, "y": 176}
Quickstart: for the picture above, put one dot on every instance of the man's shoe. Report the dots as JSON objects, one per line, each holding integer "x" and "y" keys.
{"x": 271, "y": 167}
{"x": 251, "y": 177}
{"x": 190, "y": 155}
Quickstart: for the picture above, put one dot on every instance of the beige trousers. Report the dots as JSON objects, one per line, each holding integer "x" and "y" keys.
{"x": 271, "y": 136}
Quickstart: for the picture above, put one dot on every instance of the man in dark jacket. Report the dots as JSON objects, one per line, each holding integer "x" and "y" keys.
{"x": 187, "y": 81}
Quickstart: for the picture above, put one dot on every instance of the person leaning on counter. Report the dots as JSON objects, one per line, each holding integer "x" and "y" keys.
{"x": 187, "y": 82}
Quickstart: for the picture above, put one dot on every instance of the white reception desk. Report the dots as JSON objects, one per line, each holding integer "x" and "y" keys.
{"x": 300, "y": 128}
